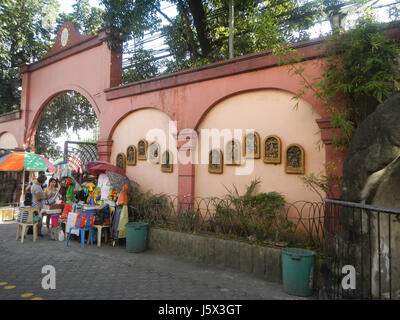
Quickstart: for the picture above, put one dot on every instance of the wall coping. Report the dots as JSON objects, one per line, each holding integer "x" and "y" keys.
{"x": 10, "y": 116}
{"x": 308, "y": 50}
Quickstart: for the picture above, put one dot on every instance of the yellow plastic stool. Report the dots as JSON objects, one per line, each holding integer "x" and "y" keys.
{"x": 99, "y": 229}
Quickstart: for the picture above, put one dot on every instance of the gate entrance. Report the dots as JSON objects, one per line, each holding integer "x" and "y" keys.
{"x": 78, "y": 154}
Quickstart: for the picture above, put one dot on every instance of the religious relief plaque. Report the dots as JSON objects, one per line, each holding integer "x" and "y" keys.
{"x": 272, "y": 149}
{"x": 142, "y": 150}
{"x": 166, "y": 162}
{"x": 154, "y": 153}
{"x": 120, "y": 161}
{"x": 251, "y": 146}
{"x": 233, "y": 153}
{"x": 295, "y": 159}
{"x": 215, "y": 161}
{"x": 131, "y": 156}
{"x": 64, "y": 37}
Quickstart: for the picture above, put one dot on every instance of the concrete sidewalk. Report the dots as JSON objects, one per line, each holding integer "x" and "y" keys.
{"x": 111, "y": 273}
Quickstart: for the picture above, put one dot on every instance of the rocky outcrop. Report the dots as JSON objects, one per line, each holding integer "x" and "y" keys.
{"x": 375, "y": 145}
{"x": 371, "y": 175}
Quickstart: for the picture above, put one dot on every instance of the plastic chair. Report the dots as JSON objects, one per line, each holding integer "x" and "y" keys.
{"x": 25, "y": 220}
{"x": 100, "y": 229}
{"x": 87, "y": 227}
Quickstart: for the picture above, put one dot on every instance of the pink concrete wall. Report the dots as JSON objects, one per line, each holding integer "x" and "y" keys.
{"x": 268, "y": 112}
{"x": 191, "y": 98}
{"x": 82, "y": 72}
{"x": 8, "y": 141}
{"x": 140, "y": 125}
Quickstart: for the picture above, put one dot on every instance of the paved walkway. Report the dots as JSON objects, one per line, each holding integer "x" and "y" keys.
{"x": 112, "y": 273}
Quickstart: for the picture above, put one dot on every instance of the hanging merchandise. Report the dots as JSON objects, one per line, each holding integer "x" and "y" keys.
{"x": 69, "y": 185}
{"x": 62, "y": 171}
{"x": 88, "y": 188}
{"x": 121, "y": 215}
{"x": 123, "y": 220}
{"x": 95, "y": 197}
{"x": 123, "y": 196}
{"x": 112, "y": 195}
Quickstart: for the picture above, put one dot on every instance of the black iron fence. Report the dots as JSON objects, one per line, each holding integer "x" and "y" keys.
{"x": 299, "y": 223}
{"x": 361, "y": 253}
{"x": 357, "y": 243}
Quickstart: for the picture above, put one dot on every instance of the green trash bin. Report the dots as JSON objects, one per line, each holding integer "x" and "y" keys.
{"x": 298, "y": 271}
{"x": 136, "y": 236}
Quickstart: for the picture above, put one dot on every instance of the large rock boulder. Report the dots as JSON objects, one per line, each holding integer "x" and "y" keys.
{"x": 371, "y": 175}
{"x": 375, "y": 145}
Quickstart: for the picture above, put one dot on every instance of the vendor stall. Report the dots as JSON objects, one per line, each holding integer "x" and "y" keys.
{"x": 105, "y": 199}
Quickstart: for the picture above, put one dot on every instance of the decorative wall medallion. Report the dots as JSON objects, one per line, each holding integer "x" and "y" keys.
{"x": 154, "y": 153}
{"x": 142, "y": 150}
{"x": 232, "y": 153}
{"x": 121, "y": 161}
{"x": 131, "y": 156}
{"x": 215, "y": 161}
{"x": 251, "y": 146}
{"x": 272, "y": 149}
{"x": 166, "y": 162}
{"x": 295, "y": 159}
{"x": 64, "y": 37}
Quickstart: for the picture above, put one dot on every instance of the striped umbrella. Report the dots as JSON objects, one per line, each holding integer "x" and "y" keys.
{"x": 24, "y": 161}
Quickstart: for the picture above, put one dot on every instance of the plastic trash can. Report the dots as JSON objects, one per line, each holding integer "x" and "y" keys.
{"x": 136, "y": 236}
{"x": 298, "y": 271}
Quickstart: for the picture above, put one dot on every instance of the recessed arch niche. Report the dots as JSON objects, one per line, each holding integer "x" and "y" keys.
{"x": 267, "y": 112}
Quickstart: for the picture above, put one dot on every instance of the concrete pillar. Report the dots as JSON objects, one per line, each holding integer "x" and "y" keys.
{"x": 332, "y": 153}
{"x": 104, "y": 150}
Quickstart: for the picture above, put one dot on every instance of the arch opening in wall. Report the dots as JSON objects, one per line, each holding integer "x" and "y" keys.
{"x": 68, "y": 116}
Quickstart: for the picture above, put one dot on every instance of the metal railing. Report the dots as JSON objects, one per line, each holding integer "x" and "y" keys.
{"x": 364, "y": 237}
{"x": 299, "y": 223}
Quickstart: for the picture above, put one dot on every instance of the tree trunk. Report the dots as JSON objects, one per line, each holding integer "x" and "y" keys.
{"x": 200, "y": 23}
{"x": 192, "y": 45}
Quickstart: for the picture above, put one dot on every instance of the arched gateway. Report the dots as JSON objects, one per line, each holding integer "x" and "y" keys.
{"x": 190, "y": 98}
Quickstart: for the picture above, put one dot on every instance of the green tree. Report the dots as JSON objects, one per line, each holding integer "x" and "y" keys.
{"x": 68, "y": 111}
{"x": 87, "y": 19}
{"x": 362, "y": 66}
{"x": 26, "y": 28}
{"x": 129, "y": 19}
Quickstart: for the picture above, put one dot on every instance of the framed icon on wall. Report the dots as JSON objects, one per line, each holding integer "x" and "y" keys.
{"x": 167, "y": 162}
{"x": 154, "y": 153}
{"x": 131, "y": 156}
{"x": 215, "y": 161}
{"x": 120, "y": 161}
{"x": 142, "y": 149}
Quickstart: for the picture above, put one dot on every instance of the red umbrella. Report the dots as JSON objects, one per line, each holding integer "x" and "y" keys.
{"x": 94, "y": 163}
{"x": 103, "y": 167}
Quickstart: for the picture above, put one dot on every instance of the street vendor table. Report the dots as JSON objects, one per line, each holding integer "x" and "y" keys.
{"x": 72, "y": 216}
{"x": 48, "y": 213}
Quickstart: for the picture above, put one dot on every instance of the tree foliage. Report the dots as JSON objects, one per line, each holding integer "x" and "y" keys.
{"x": 362, "y": 66}
{"x": 68, "y": 111}
{"x": 26, "y": 27}
{"x": 87, "y": 19}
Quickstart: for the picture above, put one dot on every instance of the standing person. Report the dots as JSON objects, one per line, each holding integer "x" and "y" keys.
{"x": 38, "y": 198}
{"x": 51, "y": 195}
{"x": 51, "y": 192}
